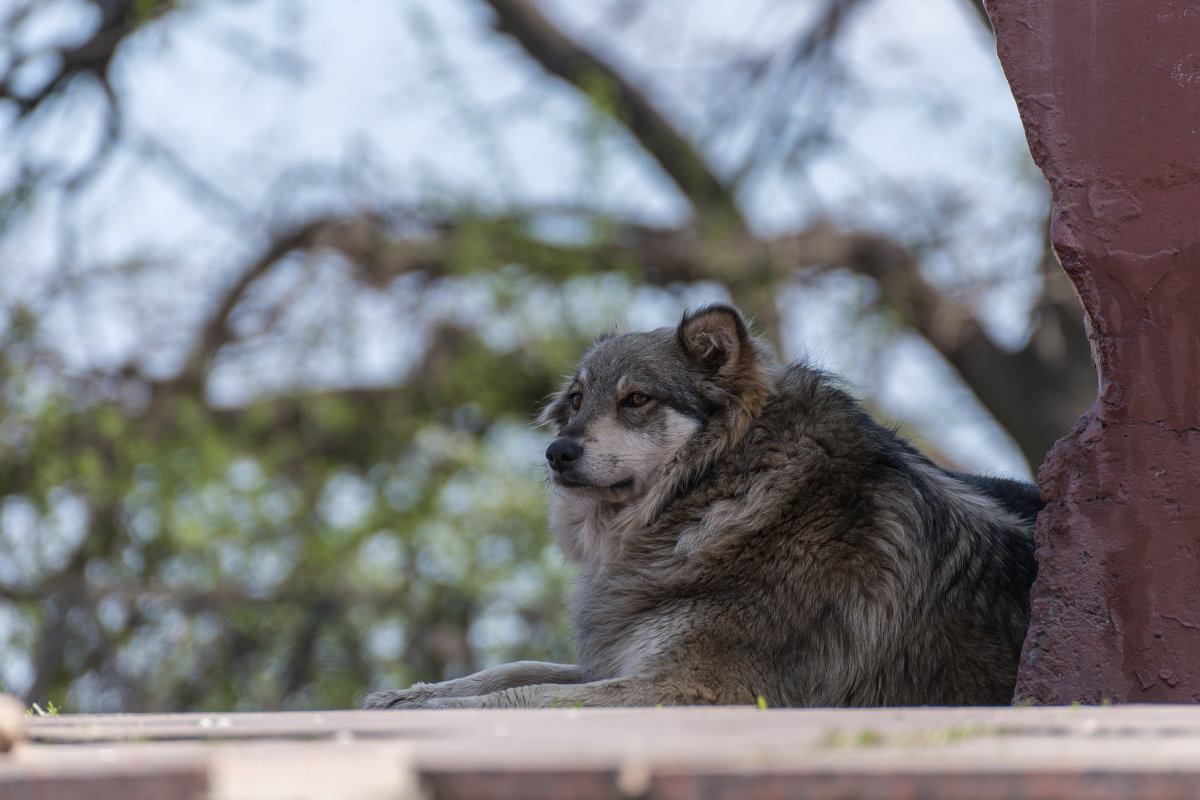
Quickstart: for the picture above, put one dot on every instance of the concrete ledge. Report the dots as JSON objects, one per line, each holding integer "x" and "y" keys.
{"x": 1085, "y": 752}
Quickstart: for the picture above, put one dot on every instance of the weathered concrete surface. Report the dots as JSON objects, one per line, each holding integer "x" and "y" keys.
{"x": 743, "y": 753}
{"x": 1109, "y": 92}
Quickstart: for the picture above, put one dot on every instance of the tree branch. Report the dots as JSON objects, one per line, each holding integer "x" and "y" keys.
{"x": 560, "y": 55}
{"x": 357, "y": 237}
{"x": 1051, "y": 375}
{"x": 92, "y": 56}
{"x": 1051, "y": 372}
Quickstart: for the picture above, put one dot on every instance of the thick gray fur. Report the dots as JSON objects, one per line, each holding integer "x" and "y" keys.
{"x": 745, "y": 530}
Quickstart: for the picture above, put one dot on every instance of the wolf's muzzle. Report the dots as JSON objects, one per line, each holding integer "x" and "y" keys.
{"x": 563, "y": 453}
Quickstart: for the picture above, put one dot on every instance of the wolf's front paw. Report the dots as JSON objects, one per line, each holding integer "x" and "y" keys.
{"x": 416, "y": 696}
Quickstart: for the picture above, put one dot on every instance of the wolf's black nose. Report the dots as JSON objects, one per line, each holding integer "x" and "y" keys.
{"x": 562, "y": 452}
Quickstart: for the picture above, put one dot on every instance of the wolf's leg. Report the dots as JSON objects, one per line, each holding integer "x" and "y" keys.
{"x": 630, "y": 691}
{"x": 504, "y": 676}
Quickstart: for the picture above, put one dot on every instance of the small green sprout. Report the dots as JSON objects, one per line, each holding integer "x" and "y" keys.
{"x": 37, "y": 711}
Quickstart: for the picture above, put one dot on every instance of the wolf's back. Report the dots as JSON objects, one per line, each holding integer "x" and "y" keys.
{"x": 925, "y": 574}
{"x": 824, "y": 561}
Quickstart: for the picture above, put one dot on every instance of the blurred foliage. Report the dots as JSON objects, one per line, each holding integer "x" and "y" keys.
{"x": 164, "y": 554}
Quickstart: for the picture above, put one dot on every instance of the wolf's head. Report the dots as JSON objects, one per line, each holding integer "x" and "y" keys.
{"x": 657, "y": 406}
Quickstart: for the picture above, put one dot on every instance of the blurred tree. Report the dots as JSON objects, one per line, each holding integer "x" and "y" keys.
{"x": 234, "y": 509}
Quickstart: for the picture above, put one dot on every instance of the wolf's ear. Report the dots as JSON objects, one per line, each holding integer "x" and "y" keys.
{"x": 714, "y": 338}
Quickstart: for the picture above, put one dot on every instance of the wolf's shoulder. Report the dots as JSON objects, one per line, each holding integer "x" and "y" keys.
{"x": 809, "y": 403}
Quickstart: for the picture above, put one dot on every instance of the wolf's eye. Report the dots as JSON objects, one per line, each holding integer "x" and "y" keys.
{"x": 636, "y": 400}
{"x": 575, "y": 399}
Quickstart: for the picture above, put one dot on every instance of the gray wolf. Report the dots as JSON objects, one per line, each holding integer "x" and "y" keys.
{"x": 747, "y": 533}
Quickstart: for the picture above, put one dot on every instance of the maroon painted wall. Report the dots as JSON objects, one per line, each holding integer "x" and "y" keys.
{"x": 1109, "y": 92}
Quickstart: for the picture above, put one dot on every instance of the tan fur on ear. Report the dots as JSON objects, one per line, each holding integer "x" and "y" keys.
{"x": 713, "y": 337}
